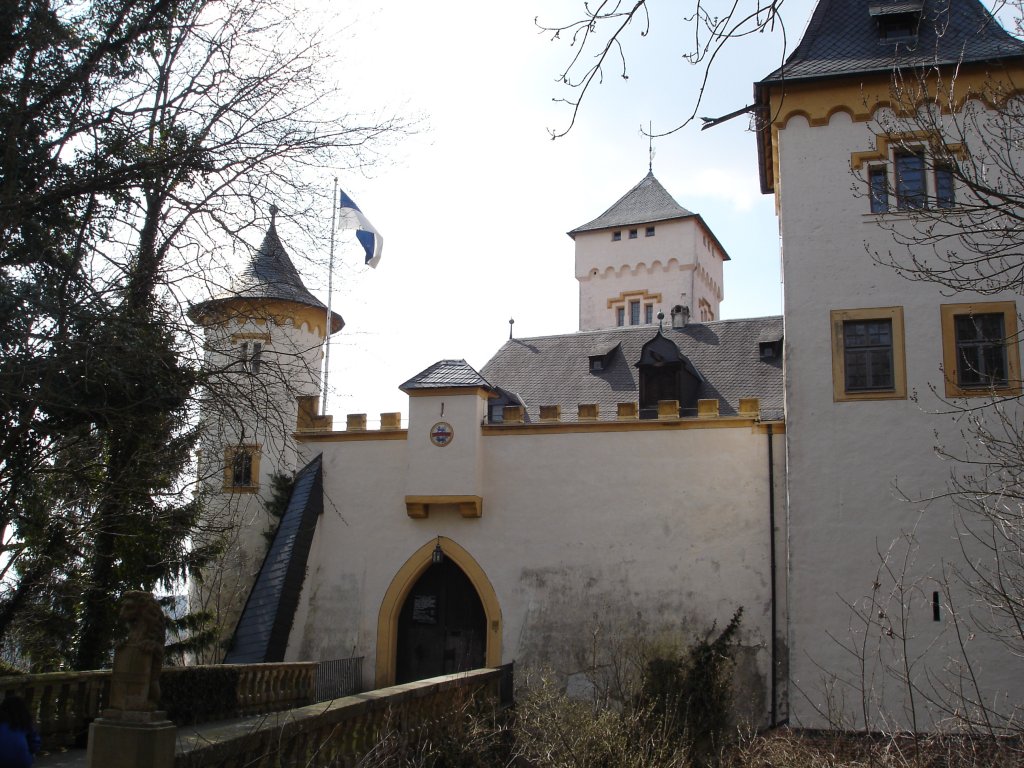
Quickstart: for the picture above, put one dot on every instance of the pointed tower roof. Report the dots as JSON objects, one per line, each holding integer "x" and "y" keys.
{"x": 269, "y": 275}
{"x": 843, "y": 38}
{"x": 646, "y": 202}
{"x": 445, "y": 374}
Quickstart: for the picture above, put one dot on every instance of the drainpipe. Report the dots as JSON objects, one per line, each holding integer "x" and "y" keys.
{"x": 771, "y": 540}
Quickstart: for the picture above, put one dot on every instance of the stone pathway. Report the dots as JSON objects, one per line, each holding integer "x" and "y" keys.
{"x": 187, "y": 736}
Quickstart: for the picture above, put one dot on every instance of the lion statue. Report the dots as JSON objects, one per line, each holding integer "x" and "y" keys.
{"x": 135, "y": 682}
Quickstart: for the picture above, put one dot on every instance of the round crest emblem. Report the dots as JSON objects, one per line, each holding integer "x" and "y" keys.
{"x": 441, "y": 433}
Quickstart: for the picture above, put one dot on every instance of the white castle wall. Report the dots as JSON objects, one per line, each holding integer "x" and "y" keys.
{"x": 851, "y": 464}
{"x": 629, "y": 534}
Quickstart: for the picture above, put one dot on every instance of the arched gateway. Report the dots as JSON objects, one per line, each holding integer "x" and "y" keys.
{"x": 437, "y": 618}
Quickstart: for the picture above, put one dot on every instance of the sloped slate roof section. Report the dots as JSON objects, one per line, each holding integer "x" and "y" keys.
{"x": 262, "y": 631}
{"x": 554, "y": 370}
{"x": 842, "y": 39}
{"x": 446, "y": 373}
{"x": 646, "y": 202}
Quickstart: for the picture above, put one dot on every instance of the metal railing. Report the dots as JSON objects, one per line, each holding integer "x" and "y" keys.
{"x": 338, "y": 677}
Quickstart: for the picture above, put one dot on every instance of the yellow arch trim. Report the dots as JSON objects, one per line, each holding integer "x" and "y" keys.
{"x": 402, "y": 584}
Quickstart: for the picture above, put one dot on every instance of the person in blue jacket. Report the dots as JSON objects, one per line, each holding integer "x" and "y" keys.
{"x": 18, "y": 738}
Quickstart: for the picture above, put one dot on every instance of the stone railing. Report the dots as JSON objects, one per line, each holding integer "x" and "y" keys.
{"x": 339, "y": 731}
{"x": 266, "y": 688}
{"x": 64, "y": 703}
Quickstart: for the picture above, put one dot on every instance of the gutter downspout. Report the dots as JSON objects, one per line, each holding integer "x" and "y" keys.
{"x": 771, "y": 539}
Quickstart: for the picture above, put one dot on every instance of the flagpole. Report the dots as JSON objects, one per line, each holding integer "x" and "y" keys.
{"x": 330, "y": 288}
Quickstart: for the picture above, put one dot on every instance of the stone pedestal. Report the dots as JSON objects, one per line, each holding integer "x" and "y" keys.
{"x": 131, "y": 740}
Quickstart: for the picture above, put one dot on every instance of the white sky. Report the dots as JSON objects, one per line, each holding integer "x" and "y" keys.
{"x": 474, "y": 207}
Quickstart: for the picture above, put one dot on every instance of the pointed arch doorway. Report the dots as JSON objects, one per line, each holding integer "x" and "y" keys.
{"x": 436, "y": 619}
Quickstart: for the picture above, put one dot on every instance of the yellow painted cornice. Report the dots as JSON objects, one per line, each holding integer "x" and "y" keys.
{"x": 644, "y": 425}
{"x": 481, "y": 392}
{"x": 349, "y": 437}
{"x": 861, "y": 96}
{"x": 264, "y": 311}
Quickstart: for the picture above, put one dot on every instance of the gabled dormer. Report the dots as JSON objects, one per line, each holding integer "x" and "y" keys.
{"x": 643, "y": 255}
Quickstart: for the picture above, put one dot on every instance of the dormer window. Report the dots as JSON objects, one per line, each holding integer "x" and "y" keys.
{"x": 897, "y": 21}
{"x": 601, "y": 356}
{"x": 769, "y": 345}
{"x": 496, "y": 405}
{"x": 666, "y": 374}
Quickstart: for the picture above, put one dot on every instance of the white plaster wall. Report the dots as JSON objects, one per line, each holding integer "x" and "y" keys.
{"x": 664, "y": 264}
{"x": 654, "y": 534}
{"x": 453, "y": 469}
{"x": 852, "y": 463}
{"x": 253, "y": 409}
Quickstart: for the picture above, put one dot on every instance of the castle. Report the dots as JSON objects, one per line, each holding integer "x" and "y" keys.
{"x": 661, "y": 468}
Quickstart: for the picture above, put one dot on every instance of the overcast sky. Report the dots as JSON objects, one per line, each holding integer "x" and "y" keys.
{"x": 474, "y": 207}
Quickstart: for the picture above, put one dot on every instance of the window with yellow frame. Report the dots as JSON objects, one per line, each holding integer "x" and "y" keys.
{"x": 868, "y": 354}
{"x": 242, "y": 468}
{"x": 980, "y": 349}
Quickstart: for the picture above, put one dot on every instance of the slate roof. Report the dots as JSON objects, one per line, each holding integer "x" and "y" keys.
{"x": 269, "y": 274}
{"x": 646, "y": 202}
{"x": 554, "y": 370}
{"x": 261, "y": 634}
{"x": 446, "y": 373}
{"x": 842, "y": 39}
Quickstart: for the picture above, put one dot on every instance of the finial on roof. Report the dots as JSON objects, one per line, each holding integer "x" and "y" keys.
{"x": 273, "y": 214}
{"x": 661, "y": 318}
{"x": 511, "y": 322}
{"x": 650, "y": 147}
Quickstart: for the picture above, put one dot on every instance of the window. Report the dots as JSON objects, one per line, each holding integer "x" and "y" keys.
{"x": 980, "y": 349}
{"x": 649, "y": 232}
{"x": 617, "y": 234}
{"x": 648, "y": 313}
{"x": 945, "y": 197}
{"x": 632, "y": 234}
{"x": 878, "y": 184}
{"x": 634, "y": 313}
{"x": 868, "y": 354}
{"x": 242, "y": 468}
{"x": 867, "y": 347}
{"x": 250, "y": 354}
{"x": 620, "y": 316}
{"x": 911, "y": 189}
{"x": 906, "y": 173}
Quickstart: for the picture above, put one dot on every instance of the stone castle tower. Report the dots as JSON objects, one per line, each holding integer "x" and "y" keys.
{"x": 263, "y": 346}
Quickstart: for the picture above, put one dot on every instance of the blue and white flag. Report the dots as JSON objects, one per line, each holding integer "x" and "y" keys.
{"x": 350, "y": 217}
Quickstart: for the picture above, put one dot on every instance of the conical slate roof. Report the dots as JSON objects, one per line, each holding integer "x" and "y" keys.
{"x": 446, "y": 373}
{"x": 269, "y": 275}
{"x": 842, "y": 38}
{"x": 646, "y": 202}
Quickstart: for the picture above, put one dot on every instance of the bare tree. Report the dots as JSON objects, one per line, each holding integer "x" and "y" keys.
{"x": 598, "y": 37}
{"x": 141, "y": 139}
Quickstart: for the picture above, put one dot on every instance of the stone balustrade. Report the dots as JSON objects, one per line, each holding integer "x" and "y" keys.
{"x": 338, "y": 732}
{"x": 64, "y": 703}
{"x": 266, "y": 688}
